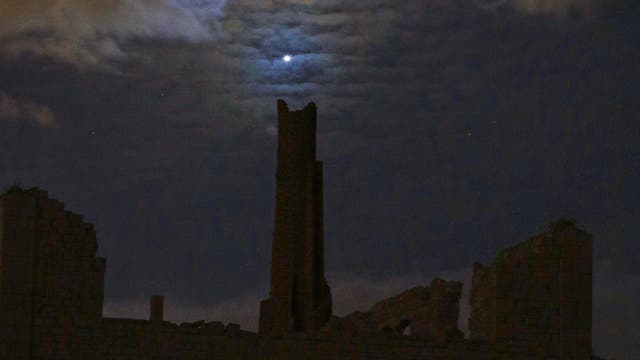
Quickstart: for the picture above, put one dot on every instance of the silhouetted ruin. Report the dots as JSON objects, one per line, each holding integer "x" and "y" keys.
{"x": 532, "y": 302}
{"x": 537, "y": 294}
{"x": 425, "y": 312}
{"x": 300, "y": 299}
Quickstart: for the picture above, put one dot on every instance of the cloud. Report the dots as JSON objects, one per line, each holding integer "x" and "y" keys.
{"x": 89, "y": 33}
{"x": 13, "y": 108}
{"x": 332, "y": 43}
{"x": 548, "y": 7}
{"x": 559, "y": 7}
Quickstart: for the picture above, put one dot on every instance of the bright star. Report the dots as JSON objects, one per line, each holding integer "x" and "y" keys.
{"x": 286, "y": 58}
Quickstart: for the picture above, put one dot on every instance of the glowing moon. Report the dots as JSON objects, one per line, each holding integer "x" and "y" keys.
{"x": 286, "y": 58}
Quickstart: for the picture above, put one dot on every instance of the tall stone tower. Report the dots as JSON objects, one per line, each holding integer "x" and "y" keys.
{"x": 300, "y": 299}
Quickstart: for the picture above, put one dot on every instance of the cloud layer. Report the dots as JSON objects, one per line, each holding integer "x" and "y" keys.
{"x": 558, "y": 7}
{"x": 89, "y": 33}
{"x": 11, "y": 108}
{"x": 545, "y": 7}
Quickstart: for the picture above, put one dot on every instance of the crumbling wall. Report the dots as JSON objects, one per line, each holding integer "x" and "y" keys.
{"x": 482, "y": 302}
{"x": 428, "y": 312}
{"x": 51, "y": 283}
{"x": 141, "y": 339}
{"x": 537, "y": 294}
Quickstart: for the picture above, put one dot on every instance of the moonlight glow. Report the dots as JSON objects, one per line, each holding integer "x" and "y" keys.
{"x": 286, "y": 58}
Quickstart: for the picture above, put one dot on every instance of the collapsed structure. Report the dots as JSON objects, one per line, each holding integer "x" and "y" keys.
{"x": 421, "y": 312}
{"x": 532, "y": 302}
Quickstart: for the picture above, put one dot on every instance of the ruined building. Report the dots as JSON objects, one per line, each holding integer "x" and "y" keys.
{"x": 423, "y": 312}
{"x": 532, "y": 302}
{"x": 51, "y": 283}
{"x": 537, "y": 295}
{"x": 300, "y": 299}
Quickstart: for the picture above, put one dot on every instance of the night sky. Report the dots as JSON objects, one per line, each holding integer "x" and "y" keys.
{"x": 449, "y": 129}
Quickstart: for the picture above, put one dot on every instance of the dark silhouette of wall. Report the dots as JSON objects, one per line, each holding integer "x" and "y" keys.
{"x": 51, "y": 284}
{"x": 428, "y": 312}
{"x": 300, "y": 299}
{"x": 537, "y": 295}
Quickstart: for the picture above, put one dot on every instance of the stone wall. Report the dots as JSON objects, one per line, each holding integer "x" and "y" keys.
{"x": 537, "y": 295}
{"x": 140, "y": 339}
{"x": 51, "y": 283}
{"x": 428, "y": 312}
{"x": 380, "y": 347}
{"x": 481, "y": 323}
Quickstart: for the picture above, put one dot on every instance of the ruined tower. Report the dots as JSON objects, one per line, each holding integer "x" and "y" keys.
{"x": 300, "y": 299}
